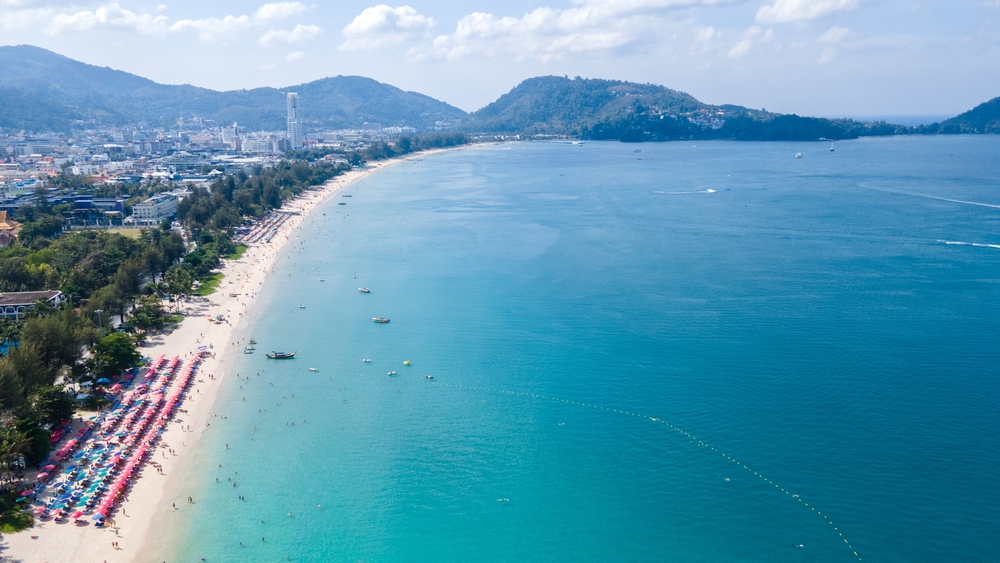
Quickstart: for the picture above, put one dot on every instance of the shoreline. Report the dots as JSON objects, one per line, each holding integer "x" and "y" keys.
{"x": 155, "y": 495}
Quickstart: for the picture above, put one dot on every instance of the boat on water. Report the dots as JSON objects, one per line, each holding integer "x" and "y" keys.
{"x": 302, "y": 306}
{"x": 367, "y": 360}
{"x": 342, "y": 203}
{"x": 831, "y": 147}
{"x": 380, "y": 319}
{"x": 252, "y": 341}
{"x": 345, "y": 195}
{"x": 428, "y": 376}
{"x": 248, "y": 350}
{"x": 313, "y": 369}
{"x": 392, "y": 373}
{"x": 364, "y": 290}
{"x": 406, "y": 362}
{"x": 281, "y": 355}
{"x": 798, "y": 155}
{"x": 321, "y": 279}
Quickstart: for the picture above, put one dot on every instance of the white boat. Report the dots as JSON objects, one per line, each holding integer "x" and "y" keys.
{"x": 313, "y": 369}
{"x": 380, "y": 319}
{"x": 831, "y": 147}
{"x": 367, "y": 360}
{"x": 798, "y": 155}
{"x": 302, "y": 306}
{"x": 364, "y": 290}
{"x": 428, "y": 376}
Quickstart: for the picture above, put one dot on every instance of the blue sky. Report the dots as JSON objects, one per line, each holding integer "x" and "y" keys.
{"x": 815, "y": 57}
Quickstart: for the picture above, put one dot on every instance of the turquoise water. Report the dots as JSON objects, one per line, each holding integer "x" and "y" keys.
{"x": 803, "y": 317}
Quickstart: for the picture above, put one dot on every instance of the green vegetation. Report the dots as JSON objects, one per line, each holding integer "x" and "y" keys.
{"x": 984, "y": 118}
{"x": 12, "y": 518}
{"x": 209, "y": 284}
{"x": 238, "y": 251}
{"x": 630, "y": 112}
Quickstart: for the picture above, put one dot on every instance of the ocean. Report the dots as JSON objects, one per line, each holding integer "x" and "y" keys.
{"x": 686, "y": 351}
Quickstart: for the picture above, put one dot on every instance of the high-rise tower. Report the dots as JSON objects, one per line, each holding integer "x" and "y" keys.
{"x": 294, "y": 125}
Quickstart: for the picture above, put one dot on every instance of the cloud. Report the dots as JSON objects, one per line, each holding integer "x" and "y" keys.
{"x": 550, "y": 33}
{"x": 834, "y": 35}
{"x": 743, "y": 47}
{"x": 296, "y": 56}
{"x": 784, "y": 11}
{"x": 706, "y": 33}
{"x": 108, "y": 15}
{"x": 383, "y": 26}
{"x": 113, "y": 16}
{"x": 297, "y": 35}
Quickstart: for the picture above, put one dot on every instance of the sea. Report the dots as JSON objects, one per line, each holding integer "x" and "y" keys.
{"x": 685, "y": 351}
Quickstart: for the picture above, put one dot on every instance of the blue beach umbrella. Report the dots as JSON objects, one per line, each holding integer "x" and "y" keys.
{"x": 104, "y": 380}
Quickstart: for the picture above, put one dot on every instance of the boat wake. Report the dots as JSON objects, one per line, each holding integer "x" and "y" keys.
{"x": 708, "y": 191}
{"x": 960, "y": 243}
{"x": 938, "y": 198}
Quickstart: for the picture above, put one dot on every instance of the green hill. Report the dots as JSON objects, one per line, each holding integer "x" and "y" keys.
{"x": 44, "y": 90}
{"x": 984, "y": 118}
{"x": 627, "y": 111}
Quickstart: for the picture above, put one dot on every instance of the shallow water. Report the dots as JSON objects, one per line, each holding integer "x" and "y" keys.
{"x": 801, "y": 316}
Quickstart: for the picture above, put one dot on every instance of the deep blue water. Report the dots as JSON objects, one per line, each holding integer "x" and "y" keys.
{"x": 803, "y": 318}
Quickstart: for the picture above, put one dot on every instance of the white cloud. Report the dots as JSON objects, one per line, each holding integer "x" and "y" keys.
{"x": 706, "y": 33}
{"x": 114, "y": 16}
{"x": 296, "y": 56}
{"x": 834, "y": 35}
{"x": 826, "y": 56}
{"x": 21, "y": 19}
{"x": 297, "y": 35}
{"x": 740, "y": 49}
{"x": 108, "y": 15}
{"x": 783, "y": 11}
{"x": 383, "y": 26}
{"x": 548, "y": 33}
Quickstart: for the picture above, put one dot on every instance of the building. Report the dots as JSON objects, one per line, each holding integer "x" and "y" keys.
{"x": 294, "y": 124}
{"x": 8, "y": 229}
{"x": 154, "y": 210}
{"x": 15, "y": 305}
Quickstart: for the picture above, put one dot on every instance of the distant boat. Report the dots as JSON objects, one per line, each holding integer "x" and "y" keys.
{"x": 364, "y": 290}
{"x": 302, "y": 306}
{"x": 367, "y": 360}
{"x": 281, "y": 355}
{"x": 313, "y": 369}
{"x": 252, "y": 341}
{"x": 342, "y": 203}
{"x": 380, "y": 319}
{"x": 428, "y": 376}
{"x": 345, "y": 195}
{"x": 321, "y": 279}
{"x": 391, "y": 373}
{"x": 406, "y": 362}
{"x": 831, "y": 147}
{"x": 798, "y": 155}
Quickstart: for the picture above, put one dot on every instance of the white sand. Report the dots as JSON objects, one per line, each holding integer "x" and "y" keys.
{"x": 148, "y": 512}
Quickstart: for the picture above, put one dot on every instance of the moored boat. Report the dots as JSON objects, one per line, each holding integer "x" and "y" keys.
{"x": 380, "y": 319}
{"x": 364, "y": 290}
{"x": 281, "y": 355}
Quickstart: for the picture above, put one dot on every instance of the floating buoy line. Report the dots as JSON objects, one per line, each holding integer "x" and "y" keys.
{"x": 653, "y": 419}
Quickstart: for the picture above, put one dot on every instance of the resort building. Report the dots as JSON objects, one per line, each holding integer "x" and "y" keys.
{"x": 15, "y": 305}
{"x": 154, "y": 210}
{"x": 294, "y": 124}
{"x": 8, "y": 229}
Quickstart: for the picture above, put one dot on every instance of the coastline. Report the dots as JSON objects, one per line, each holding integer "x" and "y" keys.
{"x": 146, "y": 514}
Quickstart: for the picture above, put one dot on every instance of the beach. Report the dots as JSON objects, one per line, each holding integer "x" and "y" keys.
{"x": 158, "y": 498}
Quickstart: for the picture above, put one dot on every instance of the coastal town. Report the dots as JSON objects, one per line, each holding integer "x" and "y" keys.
{"x": 74, "y": 170}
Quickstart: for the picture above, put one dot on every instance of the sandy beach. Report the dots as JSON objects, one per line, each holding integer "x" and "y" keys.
{"x": 150, "y": 505}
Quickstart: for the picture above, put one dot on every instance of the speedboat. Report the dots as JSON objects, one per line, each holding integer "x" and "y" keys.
{"x": 392, "y": 373}
{"x": 428, "y": 376}
{"x": 302, "y": 306}
{"x": 798, "y": 155}
{"x": 313, "y": 369}
{"x": 321, "y": 279}
{"x": 367, "y": 360}
{"x": 281, "y": 355}
{"x": 252, "y": 341}
{"x": 380, "y": 319}
{"x": 364, "y": 290}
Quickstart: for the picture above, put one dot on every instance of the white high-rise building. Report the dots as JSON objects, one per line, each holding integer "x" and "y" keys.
{"x": 294, "y": 125}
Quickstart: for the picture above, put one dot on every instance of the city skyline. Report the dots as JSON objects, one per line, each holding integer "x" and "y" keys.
{"x": 815, "y": 57}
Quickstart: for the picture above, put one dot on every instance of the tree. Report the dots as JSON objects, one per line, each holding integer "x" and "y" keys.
{"x": 115, "y": 353}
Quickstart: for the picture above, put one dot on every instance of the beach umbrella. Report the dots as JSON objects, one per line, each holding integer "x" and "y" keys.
{"x": 20, "y": 499}
{"x": 41, "y": 476}
{"x": 49, "y": 467}
{"x": 104, "y": 380}
{"x": 39, "y": 510}
{"x": 98, "y": 517}
{"x": 76, "y": 514}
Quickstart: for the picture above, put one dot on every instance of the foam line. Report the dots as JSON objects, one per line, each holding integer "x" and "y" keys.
{"x": 960, "y": 243}
{"x": 708, "y": 191}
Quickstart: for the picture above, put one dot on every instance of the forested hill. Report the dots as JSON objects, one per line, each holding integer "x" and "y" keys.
{"x": 41, "y": 90}
{"x": 614, "y": 109}
{"x": 984, "y": 118}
